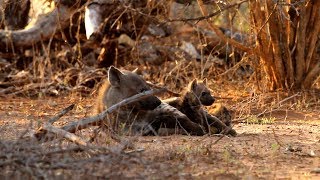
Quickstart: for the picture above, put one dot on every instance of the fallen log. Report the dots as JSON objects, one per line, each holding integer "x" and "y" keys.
{"x": 67, "y": 130}
{"x": 85, "y": 122}
{"x": 45, "y": 26}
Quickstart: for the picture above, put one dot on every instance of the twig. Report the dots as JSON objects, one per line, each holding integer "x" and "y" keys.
{"x": 216, "y": 141}
{"x": 43, "y": 131}
{"x": 284, "y": 100}
{"x": 221, "y": 35}
{"x": 85, "y": 122}
{"x": 66, "y": 131}
{"x": 221, "y": 125}
{"x": 224, "y": 133}
{"x": 287, "y": 98}
{"x": 60, "y": 114}
{"x": 67, "y": 135}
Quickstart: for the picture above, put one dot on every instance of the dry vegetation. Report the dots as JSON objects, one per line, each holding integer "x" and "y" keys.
{"x": 279, "y": 131}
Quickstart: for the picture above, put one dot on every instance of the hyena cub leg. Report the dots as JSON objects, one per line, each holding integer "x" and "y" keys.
{"x": 222, "y": 128}
{"x": 221, "y": 112}
{"x": 169, "y": 117}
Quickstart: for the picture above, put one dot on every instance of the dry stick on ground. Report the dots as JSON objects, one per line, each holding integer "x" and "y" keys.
{"x": 85, "y": 122}
{"x": 72, "y": 137}
{"x": 66, "y": 131}
{"x": 47, "y": 127}
{"x": 60, "y": 114}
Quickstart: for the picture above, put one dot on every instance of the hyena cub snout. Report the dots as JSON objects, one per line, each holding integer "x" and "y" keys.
{"x": 206, "y": 99}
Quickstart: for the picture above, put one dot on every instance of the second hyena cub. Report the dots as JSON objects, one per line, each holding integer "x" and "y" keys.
{"x": 191, "y": 101}
{"x": 221, "y": 112}
{"x": 144, "y": 116}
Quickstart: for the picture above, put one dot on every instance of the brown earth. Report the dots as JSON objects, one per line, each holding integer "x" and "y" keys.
{"x": 287, "y": 147}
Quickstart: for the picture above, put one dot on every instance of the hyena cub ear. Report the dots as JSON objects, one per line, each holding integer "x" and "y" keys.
{"x": 114, "y": 76}
{"x": 205, "y": 81}
{"x": 193, "y": 85}
{"x": 135, "y": 70}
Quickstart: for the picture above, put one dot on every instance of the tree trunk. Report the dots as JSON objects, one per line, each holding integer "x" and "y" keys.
{"x": 287, "y": 41}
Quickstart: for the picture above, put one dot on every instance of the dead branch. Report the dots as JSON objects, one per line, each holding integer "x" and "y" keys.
{"x": 85, "y": 122}
{"x": 60, "y": 114}
{"x": 44, "y": 27}
{"x": 72, "y": 127}
{"x": 60, "y": 132}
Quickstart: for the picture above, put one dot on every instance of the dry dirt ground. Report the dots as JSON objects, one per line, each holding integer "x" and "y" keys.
{"x": 286, "y": 148}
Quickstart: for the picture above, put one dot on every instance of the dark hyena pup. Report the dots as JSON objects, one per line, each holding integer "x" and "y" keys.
{"x": 190, "y": 103}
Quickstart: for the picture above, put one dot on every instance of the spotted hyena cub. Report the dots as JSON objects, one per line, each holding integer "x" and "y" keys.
{"x": 145, "y": 116}
{"x": 220, "y": 111}
{"x": 190, "y": 103}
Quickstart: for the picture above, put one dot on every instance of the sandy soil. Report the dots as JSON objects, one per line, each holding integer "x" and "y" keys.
{"x": 287, "y": 148}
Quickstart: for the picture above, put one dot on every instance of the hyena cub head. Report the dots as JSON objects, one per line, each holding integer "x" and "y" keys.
{"x": 200, "y": 92}
{"x": 221, "y": 112}
{"x": 124, "y": 84}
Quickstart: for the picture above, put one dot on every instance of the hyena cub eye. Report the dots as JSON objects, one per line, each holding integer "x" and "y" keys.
{"x": 205, "y": 93}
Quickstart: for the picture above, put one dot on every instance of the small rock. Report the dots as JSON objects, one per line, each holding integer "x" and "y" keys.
{"x": 312, "y": 154}
{"x": 316, "y": 171}
{"x": 156, "y": 31}
{"x": 293, "y": 149}
{"x": 190, "y": 49}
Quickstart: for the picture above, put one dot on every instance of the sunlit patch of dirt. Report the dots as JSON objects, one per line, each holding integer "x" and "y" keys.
{"x": 288, "y": 147}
